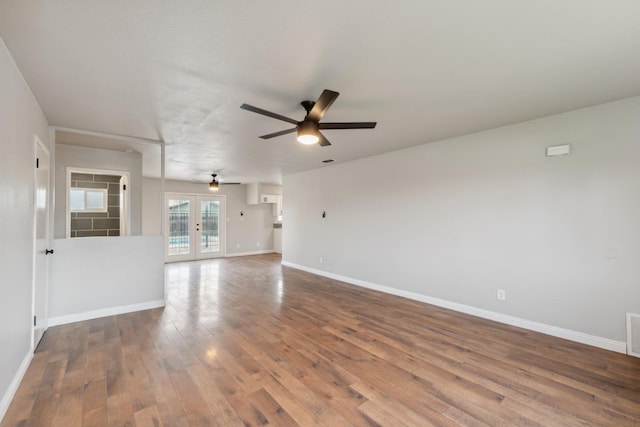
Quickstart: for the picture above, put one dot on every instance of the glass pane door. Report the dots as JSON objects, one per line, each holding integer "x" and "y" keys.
{"x": 179, "y": 228}
{"x": 194, "y": 227}
{"x": 208, "y": 227}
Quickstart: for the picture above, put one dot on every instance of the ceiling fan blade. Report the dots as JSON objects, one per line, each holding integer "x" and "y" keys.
{"x": 268, "y": 113}
{"x": 282, "y": 132}
{"x": 323, "y": 142}
{"x": 229, "y": 183}
{"x": 347, "y": 125}
{"x": 322, "y": 105}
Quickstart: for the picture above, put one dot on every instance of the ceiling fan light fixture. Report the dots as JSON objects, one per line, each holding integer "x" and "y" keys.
{"x": 308, "y": 133}
{"x": 213, "y": 185}
{"x": 308, "y": 139}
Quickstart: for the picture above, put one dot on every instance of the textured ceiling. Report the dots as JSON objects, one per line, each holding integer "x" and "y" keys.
{"x": 178, "y": 71}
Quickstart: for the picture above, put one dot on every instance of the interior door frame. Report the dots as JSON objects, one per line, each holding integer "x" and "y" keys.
{"x": 37, "y": 297}
{"x": 194, "y": 199}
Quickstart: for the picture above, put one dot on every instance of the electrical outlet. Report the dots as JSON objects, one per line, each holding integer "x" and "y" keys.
{"x": 258, "y": 244}
{"x": 502, "y": 295}
{"x": 238, "y": 246}
{"x": 321, "y": 260}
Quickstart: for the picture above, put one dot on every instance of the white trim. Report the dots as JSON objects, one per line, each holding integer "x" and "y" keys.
{"x": 630, "y": 348}
{"x": 122, "y": 138}
{"x": 104, "y": 312}
{"x": 262, "y": 252}
{"x": 161, "y": 195}
{"x": 605, "y": 343}
{"x": 15, "y": 383}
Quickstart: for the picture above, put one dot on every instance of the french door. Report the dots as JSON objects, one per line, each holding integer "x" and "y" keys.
{"x": 194, "y": 227}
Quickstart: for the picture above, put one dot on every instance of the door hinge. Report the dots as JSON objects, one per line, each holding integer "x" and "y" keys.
{"x": 124, "y": 186}
{"x": 37, "y": 163}
{"x": 34, "y": 321}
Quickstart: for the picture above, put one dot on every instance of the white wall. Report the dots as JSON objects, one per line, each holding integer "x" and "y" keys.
{"x": 270, "y": 189}
{"x": 94, "y": 158}
{"x": 20, "y": 119}
{"x": 98, "y": 276}
{"x": 256, "y": 225}
{"x": 151, "y": 207}
{"x": 458, "y": 219}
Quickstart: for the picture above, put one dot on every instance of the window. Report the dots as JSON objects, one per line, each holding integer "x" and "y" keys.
{"x": 88, "y": 200}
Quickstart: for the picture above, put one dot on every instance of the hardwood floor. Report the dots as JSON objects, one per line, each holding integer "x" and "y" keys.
{"x": 244, "y": 341}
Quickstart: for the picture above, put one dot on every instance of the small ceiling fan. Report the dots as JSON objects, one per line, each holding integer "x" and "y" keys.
{"x": 215, "y": 184}
{"x": 309, "y": 128}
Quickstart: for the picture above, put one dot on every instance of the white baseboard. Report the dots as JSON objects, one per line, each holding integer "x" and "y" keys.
{"x": 15, "y": 383}
{"x": 265, "y": 251}
{"x": 605, "y": 343}
{"x": 111, "y": 311}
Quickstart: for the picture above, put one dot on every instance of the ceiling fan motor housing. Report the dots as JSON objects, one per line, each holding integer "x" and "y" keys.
{"x": 307, "y": 127}
{"x": 307, "y": 105}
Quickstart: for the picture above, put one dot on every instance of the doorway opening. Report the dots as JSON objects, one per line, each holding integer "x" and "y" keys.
{"x": 97, "y": 203}
{"x": 194, "y": 227}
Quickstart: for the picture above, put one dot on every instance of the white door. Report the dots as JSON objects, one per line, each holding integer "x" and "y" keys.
{"x": 179, "y": 213}
{"x": 194, "y": 228}
{"x": 42, "y": 251}
{"x": 209, "y": 210}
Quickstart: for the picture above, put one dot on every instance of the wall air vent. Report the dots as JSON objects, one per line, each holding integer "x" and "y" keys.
{"x": 327, "y": 161}
{"x": 558, "y": 150}
{"x": 633, "y": 334}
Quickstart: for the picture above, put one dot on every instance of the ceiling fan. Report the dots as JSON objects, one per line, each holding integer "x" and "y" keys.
{"x": 215, "y": 184}
{"x": 309, "y": 128}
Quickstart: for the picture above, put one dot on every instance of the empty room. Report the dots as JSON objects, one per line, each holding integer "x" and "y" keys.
{"x": 334, "y": 213}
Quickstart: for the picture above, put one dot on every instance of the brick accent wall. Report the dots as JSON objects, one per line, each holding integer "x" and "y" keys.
{"x": 86, "y": 224}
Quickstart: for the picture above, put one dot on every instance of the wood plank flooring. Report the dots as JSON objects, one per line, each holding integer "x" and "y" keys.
{"x": 244, "y": 341}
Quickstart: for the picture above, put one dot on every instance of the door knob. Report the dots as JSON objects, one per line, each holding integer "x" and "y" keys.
{"x": 48, "y": 251}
